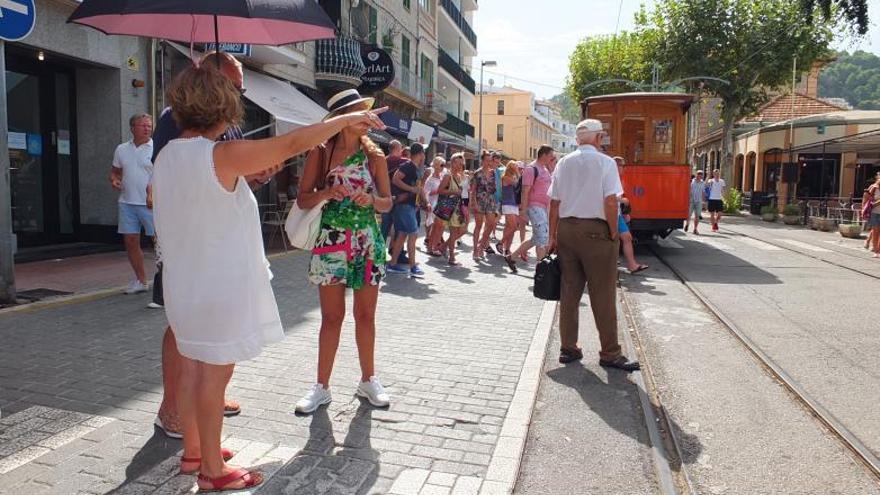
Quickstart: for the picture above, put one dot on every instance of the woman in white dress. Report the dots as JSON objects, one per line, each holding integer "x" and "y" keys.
{"x": 218, "y": 296}
{"x": 434, "y": 228}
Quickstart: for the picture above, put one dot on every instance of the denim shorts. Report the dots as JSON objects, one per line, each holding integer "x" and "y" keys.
{"x": 404, "y": 216}
{"x": 695, "y": 209}
{"x": 874, "y": 220}
{"x": 133, "y": 217}
{"x": 540, "y": 225}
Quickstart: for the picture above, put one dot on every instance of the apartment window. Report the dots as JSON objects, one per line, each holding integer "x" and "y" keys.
{"x": 404, "y": 51}
{"x": 500, "y": 133}
{"x": 467, "y": 117}
{"x": 427, "y": 5}
{"x": 500, "y": 107}
{"x": 427, "y": 72}
{"x": 407, "y": 4}
{"x": 374, "y": 24}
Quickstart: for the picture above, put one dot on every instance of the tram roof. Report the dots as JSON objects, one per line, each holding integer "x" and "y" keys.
{"x": 683, "y": 98}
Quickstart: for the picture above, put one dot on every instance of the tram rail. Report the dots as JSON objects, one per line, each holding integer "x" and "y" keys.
{"x": 834, "y": 426}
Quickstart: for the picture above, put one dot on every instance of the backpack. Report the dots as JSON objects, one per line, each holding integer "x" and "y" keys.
{"x": 517, "y": 189}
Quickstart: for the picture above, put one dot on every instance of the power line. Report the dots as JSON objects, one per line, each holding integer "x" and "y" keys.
{"x": 524, "y": 80}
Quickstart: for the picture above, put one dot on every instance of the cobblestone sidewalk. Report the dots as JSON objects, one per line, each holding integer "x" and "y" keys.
{"x": 80, "y": 385}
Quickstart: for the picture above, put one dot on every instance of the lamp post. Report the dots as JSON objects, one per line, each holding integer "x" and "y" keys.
{"x": 484, "y": 63}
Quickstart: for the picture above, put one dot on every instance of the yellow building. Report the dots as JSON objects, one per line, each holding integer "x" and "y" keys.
{"x": 511, "y": 122}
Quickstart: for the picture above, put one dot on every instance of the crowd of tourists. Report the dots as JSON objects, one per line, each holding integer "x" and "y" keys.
{"x": 194, "y": 181}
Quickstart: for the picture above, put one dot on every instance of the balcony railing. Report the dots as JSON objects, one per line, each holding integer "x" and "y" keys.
{"x": 339, "y": 60}
{"x": 432, "y": 100}
{"x": 460, "y": 75}
{"x": 459, "y": 21}
{"x": 407, "y": 82}
{"x": 457, "y": 125}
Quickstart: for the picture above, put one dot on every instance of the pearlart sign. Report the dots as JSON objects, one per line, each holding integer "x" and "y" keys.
{"x": 380, "y": 69}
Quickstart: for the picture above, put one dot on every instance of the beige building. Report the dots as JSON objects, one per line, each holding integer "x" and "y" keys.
{"x": 513, "y": 123}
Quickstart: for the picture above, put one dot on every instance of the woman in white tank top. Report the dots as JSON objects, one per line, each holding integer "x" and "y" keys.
{"x": 218, "y": 297}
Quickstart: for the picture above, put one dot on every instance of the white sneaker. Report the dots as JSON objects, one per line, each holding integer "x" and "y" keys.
{"x": 374, "y": 392}
{"x": 136, "y": 286}
{"x": 153, "y": 305}
{"x": 316, "y": 397}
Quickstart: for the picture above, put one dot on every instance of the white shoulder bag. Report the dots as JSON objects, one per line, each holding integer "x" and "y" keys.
{"x": 302, "y": 226}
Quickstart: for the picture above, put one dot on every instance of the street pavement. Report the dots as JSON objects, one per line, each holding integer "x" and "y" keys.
{"x": 588, "y": 431}
{"x": 740, "y": 431}
{"x": 80, "y": 384}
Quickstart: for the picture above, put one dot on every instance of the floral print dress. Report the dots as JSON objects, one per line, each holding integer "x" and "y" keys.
{"x": 485, "y": 192}
{"x": 350, "y": 248}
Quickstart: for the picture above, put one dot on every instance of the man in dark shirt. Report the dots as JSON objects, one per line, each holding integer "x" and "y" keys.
{"x": 394, "y": 160}
{"x": 405, "y": 187}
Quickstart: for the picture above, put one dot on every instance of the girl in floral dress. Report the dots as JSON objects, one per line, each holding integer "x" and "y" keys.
{"x": 485, "y": 207}
{"x": 350, "y": 172}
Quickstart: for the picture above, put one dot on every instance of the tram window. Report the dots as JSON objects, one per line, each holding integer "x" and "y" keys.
{"x": 633, "y": 137}
{"x": 663, "y": 137}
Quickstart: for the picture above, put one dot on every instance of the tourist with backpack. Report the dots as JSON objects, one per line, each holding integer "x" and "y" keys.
{"x": 534, "y": 205}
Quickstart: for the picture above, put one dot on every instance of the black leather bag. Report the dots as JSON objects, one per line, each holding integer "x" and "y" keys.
{"x": 548, "y": 279}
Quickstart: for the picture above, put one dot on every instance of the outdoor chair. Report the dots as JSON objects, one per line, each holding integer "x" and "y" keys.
{"x": 274, "y": 220}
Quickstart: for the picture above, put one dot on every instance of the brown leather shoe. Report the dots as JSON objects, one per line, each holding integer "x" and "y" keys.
{"x": 570, "y": 355}
{"x": 621, "y": 362}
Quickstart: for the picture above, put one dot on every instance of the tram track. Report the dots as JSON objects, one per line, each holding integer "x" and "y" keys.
{"x": 672, "y": 477}
{"x": 832, "y": 424}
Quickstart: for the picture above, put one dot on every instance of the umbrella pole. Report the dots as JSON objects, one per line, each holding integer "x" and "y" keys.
{"x": 217, "y": 41}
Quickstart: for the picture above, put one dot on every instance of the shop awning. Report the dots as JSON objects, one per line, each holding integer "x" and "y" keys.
{"x": 863, "y": 142}
{"x": 289, "y": 107}
{"x": 286, "y": 104}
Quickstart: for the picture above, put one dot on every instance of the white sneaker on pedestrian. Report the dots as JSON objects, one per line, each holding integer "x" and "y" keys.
{"x": 153, "y": 305}
{"x": 316, "y": 397}
{"x": 374, "y": 392}
{"x": 136, "y": 287}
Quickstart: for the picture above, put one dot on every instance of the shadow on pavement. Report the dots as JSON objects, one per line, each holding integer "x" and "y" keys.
{"x": 401, "y": 285}
{"x": 322, "y": 468}
{"x": 701, "y": 261}
{"x": 607, "y": 399}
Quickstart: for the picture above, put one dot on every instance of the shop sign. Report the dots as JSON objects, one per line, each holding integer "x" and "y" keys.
{"x": 380, "y": 69}
{"x": 17, "y": 19}
{"x": 241, "y": 49}
{"x": 395, "y": 123}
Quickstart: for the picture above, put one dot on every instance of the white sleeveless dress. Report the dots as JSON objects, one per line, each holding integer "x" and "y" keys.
{"x": 218, "y": 296}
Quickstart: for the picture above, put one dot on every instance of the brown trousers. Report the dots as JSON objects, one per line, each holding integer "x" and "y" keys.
{"x": 588, "y": 256}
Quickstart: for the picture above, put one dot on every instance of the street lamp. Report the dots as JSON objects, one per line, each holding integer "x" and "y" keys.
{"x": 484, "y": 63}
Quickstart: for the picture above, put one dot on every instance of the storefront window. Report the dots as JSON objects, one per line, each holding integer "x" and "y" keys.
{"x": 662, "y": 139}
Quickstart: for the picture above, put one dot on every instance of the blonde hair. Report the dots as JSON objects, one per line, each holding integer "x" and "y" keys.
{"x": 201, "y": 97}
{"x": 511, "y": 171}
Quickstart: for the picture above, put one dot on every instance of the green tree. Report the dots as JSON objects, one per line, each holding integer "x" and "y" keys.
{"x": 854, "y": 77}
{"x": 571, "y": 110}
{"x": 855, "y": 12}
{"x": 624, "y": 56}
{"x": 750, "y": 44}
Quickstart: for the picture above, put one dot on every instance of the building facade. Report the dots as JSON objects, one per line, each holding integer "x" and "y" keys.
{"x": 513, "y": 122}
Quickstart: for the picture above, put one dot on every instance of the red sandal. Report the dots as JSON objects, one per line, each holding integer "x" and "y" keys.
{"x": 226, "y": 453}
{"x": 250, "y": 478}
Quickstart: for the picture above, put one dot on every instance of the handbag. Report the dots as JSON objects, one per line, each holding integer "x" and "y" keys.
{"x": 446, "y": 207}
{"x": 548, "y": 279}
{"x": 303, "y": 225}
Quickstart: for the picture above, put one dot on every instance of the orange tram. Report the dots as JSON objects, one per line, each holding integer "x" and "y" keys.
{"x": 649, "y": 131}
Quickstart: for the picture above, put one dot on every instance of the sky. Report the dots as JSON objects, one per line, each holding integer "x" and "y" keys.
{"x": 532, "y": 39}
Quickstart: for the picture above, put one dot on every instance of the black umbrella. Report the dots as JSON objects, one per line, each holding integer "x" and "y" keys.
{"x": 260, "y": 22}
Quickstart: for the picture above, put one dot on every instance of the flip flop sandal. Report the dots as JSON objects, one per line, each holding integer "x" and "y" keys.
{"x": 231, "y": 408}
{"x": 638, "y": 269}
{"x": 169, "y": 426}
{"x": 226, "y": 453}
{"x": 510, "y": 263}
{"x": 250, "y": 478}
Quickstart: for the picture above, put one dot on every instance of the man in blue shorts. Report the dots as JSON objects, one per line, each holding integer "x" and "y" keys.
{"x": 405, "y": 188}
{"x": 130, "y": 174}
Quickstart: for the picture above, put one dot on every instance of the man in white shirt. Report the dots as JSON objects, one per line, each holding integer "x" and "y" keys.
{"x": 130, "y": 174}
{"x": 584, "y": 199}
{"x": 716, "y": 198}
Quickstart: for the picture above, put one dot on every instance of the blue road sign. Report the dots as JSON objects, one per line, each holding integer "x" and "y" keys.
{"x": 17, "y": 18}
{"x": 242, "y": 49}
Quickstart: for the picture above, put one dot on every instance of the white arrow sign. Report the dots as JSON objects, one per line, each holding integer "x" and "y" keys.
{"x": 13, "y": 6}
